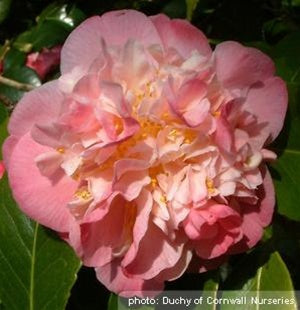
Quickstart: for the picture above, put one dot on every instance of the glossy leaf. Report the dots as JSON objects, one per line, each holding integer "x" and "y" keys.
{"x": 3, "y": 124}
{"x": 20, "y": 74}
{"x": 190, "y": 8}
{"x": 46, "y": 35}
{"x": 37, "y": 269}
{"x": 112, "y": 302}
{"x": 4, "y": 9}
{"x": 286, "y": 170}
{"x": 14, "y": 58}
{"x": 210, "y": 289}
{"x": 54, "y": 25}
{"x": 68, "y": 16}
{"x": 260, "y": 271}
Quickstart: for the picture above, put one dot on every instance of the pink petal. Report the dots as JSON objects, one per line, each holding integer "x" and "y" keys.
{"x": 84, "y": 45}
{"x": 178, "y": 270}
{"x": 238, "y": 66}
{"x": 156, "y": 253}
{"x": 209, "y": 249}
{"x": 46, "y": 100}
{"x": 45, "y": 61}
{"x": 116, "y": 279}
{"x": 269, "y": 103}
{"x": 144, "y": 206}
{"x": 7, "y": 149}
{"x": 45, "y": 200}
{"x": 102, "y": 237}
{"x": 2, "y": 169}
{"x": 181, "y": 35}
{"x": 257, "y": 217}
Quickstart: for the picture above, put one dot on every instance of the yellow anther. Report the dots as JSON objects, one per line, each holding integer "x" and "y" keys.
{"x": 153, "y": 182}
{"x": 216, "y": 113}
{"x": 61, "y": 150}
{"x": 210, "y": 185}
{"x": 83, "y": 193}
{"x": 189, "y": 136}
{"x": 76, "y": 176}
{"x": 118, "y": 123}
{"x": 165, "y": 115}
{"x": 163, "y": 199}
{"x": 173, "y": 133}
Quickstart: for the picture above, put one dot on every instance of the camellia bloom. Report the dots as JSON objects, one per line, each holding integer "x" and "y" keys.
{"x": 45, "y": 61}
{"x": 2, "y": 169}
{"x": 149, "y": 150}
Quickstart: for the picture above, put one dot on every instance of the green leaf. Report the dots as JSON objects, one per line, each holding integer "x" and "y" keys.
{"x": 37, "y": 269}
{"x": 112, "y": 302}
{"x": 190, "y": 8}
{"x": 45, "y": 35}
{"x": 3, "y": 124}
{"x": 175, "y": 9}
{"x": 68, "y": 16}
{"x": 210, "y": 289}
{"x": 4, "y": 9}
{"x": 286, "y": 170}
{"x": 260, "y": 271}
{"x": 20, "y": 74}
{"x": 14, "y": 58}
{"x": 53, "y": 26}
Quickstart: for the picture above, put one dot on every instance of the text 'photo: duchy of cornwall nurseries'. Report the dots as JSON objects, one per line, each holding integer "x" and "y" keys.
{"x": 149, "y": 151}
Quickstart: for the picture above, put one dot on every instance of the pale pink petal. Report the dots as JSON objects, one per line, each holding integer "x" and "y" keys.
{"x": 156, "y": 253}
{"x": 42, "y": 199}
{"x": 178, "y": 270}
{"x": 255, "y": 218}
{"x": 181, "y": 35}
{"x": 268, "y": 102}
{"x": 116, "y": 279}
{"x": 46, "y": 100}
{"x": 144, "y": 204}
{"x": 101, "y": 238}
{"x": 84, "y": 44}
{"x": 2, "y": 169}
{"x": 238, "y": 66}
{"x": 7, "y": 149}
{"x": 131, "y": 184}
{"x": 48, "y": 163}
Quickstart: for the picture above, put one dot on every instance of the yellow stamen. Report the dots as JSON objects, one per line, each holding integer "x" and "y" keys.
{"x": 153, "y": 182}
{"x": 163, "y": 199}
{"x": 83, "y": 193}
{"x": 61, "y": 150}
{"x": 210, "y": 186}
{"x": 216, "y": 113}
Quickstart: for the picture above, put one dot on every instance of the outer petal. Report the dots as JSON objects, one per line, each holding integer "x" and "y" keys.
{"x": 42, "y": 199}
{"x": 102, "y": 237}
{"x": 46, "y": 100}
{"x": 269, "y": 103}
{"x": 144, "y": 205}
{"x": 7, "y": 149}
{"x": 114, "y": 277}
{"x": 2, "y": 169}
{"x": 83, "y": 46}
{"x": 238, "y": 66}
{"x": 181, "y": 35}
{"x": 257, "y": 217}
{"x": 156, "y": 253}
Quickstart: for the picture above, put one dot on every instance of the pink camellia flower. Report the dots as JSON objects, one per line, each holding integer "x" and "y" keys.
{"x": 45, "y": 61}
{"x": 2, "y": 169}
{"x": 149, "y": 150}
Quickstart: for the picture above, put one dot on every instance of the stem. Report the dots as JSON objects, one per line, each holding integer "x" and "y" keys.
{"x": 15, "y": 84}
